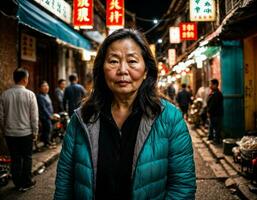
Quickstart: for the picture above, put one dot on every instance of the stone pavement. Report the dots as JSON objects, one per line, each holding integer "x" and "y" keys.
{"x": 222, "y": 165}
{"x": 42, "y": 159}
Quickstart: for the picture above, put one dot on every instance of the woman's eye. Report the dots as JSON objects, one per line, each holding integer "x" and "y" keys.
{"x": 113, "y": 61}
{"x": 132, "y": 61}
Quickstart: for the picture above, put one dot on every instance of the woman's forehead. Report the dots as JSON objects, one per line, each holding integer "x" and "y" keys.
{"x": 129, "y": 46}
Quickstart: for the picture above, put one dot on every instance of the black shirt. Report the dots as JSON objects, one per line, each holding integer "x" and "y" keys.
{"x": 215, "y": 103}
{"x": 115, "y": 156}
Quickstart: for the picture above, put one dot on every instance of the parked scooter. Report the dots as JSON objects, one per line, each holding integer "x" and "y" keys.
{"x": 5, "y": 173}
{"x": 60, "y": 122}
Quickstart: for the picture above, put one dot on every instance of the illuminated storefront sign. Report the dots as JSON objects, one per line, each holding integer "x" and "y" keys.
{"x": 83, "y": 14}
{"x": 115, "y": 13}
{"x": 60, "y": 8}
{"x": 188, "y": 31}
{"x": 172, "y": 57}
{"x": 174, "y": 35}
{"x": 202, "y": 10}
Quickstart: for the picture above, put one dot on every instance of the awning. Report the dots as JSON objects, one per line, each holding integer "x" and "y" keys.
{"x": 31, "y": 15}
{"x": 95, "y": 36}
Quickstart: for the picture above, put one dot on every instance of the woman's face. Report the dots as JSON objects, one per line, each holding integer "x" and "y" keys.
{"x": 124, "y": 67}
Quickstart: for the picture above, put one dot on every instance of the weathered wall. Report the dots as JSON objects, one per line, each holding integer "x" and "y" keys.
{"x": 8, "y": 60}
{"x": 8, "y": 52}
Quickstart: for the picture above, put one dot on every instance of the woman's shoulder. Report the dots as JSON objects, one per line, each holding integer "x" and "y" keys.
{"x": 169, "y": 111}
{"x": 167, "y": 106}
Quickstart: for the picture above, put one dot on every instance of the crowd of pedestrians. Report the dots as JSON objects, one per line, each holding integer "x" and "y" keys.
{"x": 212, "y": 105}
{"x": 25, "y": 115}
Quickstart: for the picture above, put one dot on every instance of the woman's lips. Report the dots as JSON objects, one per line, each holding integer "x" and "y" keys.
{"x": 122, "y": 82}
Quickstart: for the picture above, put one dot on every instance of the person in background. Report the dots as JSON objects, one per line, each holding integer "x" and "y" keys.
{"x": 183, "y": 100}
{"x": 73, "y": 95}
{"x": 189, "y": 89}
{"x": 45, "y": 114}
{"x": 203, "y": 93}
{"x": 125, "y": 142}
{"x": 19, "y": 123}
{"x": 171, "y": 92}
{"x": 59, "y": 93}
{"x": 215, "y": 111}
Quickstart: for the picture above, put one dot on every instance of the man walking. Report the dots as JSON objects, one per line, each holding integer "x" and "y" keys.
{"x": 184, "y": 99}
{"x": 215, "y": 111}
{"x": 73, "y": 94}
{"x": 19, "y": 123}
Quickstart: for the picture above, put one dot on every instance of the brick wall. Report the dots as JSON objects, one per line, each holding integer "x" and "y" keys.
{"x": 8, "y": 60}
{"x": 8, "y": 52}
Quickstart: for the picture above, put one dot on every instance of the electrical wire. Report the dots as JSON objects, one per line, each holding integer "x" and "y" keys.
{"x": 149, "y": 30}
{"x": 151, "y": 20}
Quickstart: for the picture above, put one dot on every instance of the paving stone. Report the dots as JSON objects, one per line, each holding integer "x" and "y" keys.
{"x": 228, "y": 168}
{"x": 230, "y": 182}
{"x": 218, "y": 170}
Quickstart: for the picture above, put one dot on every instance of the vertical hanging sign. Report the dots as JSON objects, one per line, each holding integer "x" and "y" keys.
{"x": 115, "y": 13}
{"x": 174, "y": 35}
{"x": 172, "y": 57}
{"x": 83, "y": 14}
{"x": 202, "y": 10}
{"x": 188, "y": 31}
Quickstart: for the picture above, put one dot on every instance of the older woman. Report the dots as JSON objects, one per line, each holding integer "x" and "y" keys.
{"x": 125, "y": 142}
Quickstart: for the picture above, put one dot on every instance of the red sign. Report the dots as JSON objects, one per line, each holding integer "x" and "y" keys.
{"x": 188, "y": 31}
{"x": 115, "y": 13}
{"x": 83, "y": 13}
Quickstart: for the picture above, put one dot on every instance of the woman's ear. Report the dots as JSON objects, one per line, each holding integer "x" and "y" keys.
{"x": 145, "y": 75}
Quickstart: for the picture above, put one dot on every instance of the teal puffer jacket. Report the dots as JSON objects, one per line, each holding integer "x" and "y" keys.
{"x": 163, "y": 163}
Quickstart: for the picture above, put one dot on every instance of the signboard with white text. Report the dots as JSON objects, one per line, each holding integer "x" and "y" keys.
{"x": 174, "y": 35}
{"x": 172, "y": 57}
{"x": 202, "y": 10}
{"x": 60, "y": 8}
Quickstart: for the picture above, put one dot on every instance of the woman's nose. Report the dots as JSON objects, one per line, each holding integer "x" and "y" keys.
{"x": 123, "y": 67}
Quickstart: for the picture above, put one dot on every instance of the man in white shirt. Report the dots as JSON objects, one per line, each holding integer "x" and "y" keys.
{"x": 19, "y": 123}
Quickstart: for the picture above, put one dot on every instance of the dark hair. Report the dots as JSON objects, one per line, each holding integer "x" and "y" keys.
{"x": 147, "y": 97}
{"x": 60, "y": 81}
{"x": 215, "y": 81}
{"x": 42, "y": 82}
{"x": 73, "y": 77}
{"x": 183, "y": 85}
{"x": 20, "y": 74}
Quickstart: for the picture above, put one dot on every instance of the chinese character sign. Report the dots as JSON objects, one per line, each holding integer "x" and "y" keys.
{"x": 174, "y": 35}
{"x": 28, "y": 47}
{"x": 60, "y": 8}
{"x": 188, "y": 31}
{"x": 172, "y": 57}
{"x": 202, "y": 10}
{"x": 83, "y": 13}
{"x": 115, "y": 13}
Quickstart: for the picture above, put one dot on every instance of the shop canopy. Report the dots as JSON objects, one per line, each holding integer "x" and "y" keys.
{"x": 31, "y": 15}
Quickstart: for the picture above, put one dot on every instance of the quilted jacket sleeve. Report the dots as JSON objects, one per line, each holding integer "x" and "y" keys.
{"x": 181, "y": 167}
{"x": 64, "y": 178}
